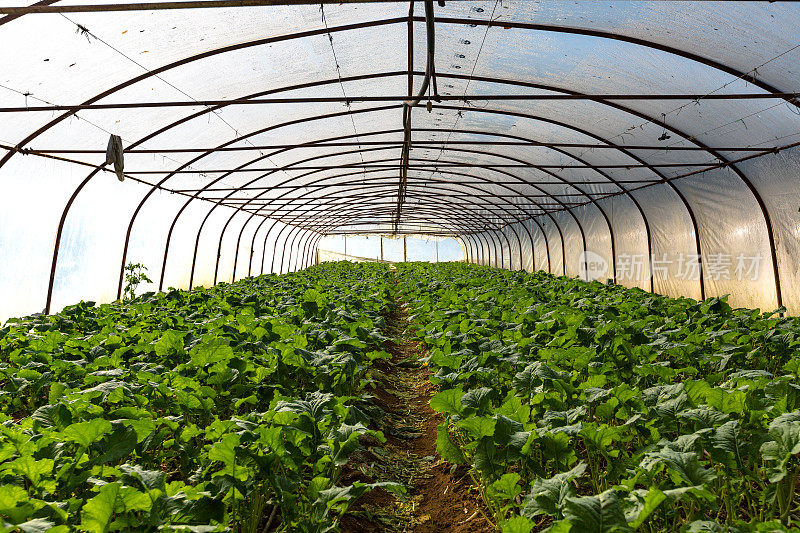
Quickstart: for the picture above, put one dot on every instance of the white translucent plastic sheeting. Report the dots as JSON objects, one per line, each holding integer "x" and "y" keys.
{"x": 34, "y": 192}
{"x": 776, "y": 179}
{"x": 630, "y": 242}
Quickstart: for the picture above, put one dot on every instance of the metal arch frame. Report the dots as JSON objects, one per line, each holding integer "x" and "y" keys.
{"x": 595, "y": 33}
{"x": 241, "y": 206}
{"x": 324, "y": 155}
{"x": 485, "y": 180}
{"x": 94, "y": 172}
{"x": 237, "y": 139}
{"x": 372, "y": 186}
{"x": 301, "y": 253}
{"x": 353, "y": 205}
{"x": 203, "y": 55}
{"x": 346, "y": 221}
{"x": 602, "y": 211}
{"x": 533, "y": 184}
{"x": 302, "y": 232}
{"x": 379, "y": 149}
{"x": 528, "y": 183}
{"x": 9, "y": 18}
{"x": 240, "y": 138}
{"x": 623, "y": 38}
{"x": 627, "y": 192}
{"x": 339, "y": 222}
{"x": 478, "y": 252}
{"x": 486, "y": 252}
{"x": 330, "y": 213}
{"x": 266, "y": 238}
{"x": 335, "y": 114}
{"x": 453, "y": 149}
{"x": 469, "y": 253}
{"x": 487, "y": 236}
{"x": 466, "y": 246}
{"x": 345, "y": 197}
{"x": 688, "y": 55}
{"x": 605, "y": 175}
{"x": 485, "y": 255}
{"x": 466, "y": 249}
{"x": 340, "y": 114}
{"x": 311, "y": 249}
{"x": 406, "y": 19}
{"x": 449, "y": 172}
{"x": 566, "y": 182}
{"x": 711, "y": 151}
{"x": 450, "y": 207}
{"x": 365, "y": 134}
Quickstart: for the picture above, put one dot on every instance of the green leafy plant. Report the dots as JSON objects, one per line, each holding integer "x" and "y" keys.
{"x": 134, "y": 276}
{"x": 202, "y": 410}
{"x": 591, "y": 407}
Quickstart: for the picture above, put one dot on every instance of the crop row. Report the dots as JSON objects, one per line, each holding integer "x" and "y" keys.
{"x": 593, "y": 408}
{"x": 191, "y": 411}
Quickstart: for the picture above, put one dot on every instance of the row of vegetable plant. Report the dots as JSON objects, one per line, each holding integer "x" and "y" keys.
{"x": 200, "y": 410}
{"x": 587, "y": 407}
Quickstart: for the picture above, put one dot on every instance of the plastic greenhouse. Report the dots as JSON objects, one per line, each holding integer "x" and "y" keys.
{"x": 591, "y": 211}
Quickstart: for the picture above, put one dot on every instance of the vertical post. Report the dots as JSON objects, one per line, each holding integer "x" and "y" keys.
{"x": 437, "y": 251}
{"x": 345, "y": 247}
{"x": 405, "y": 249}
{"x": 381, "y": 238}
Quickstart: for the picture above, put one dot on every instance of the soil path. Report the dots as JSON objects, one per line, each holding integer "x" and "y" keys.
{"x": 441, "y": 497}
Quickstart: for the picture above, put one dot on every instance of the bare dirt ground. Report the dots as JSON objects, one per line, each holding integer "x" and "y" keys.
{"x": 440, "y": 498}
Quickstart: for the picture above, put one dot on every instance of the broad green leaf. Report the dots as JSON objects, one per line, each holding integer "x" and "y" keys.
{"x": 600, "y": 514}
{"x": 547, "y": 496}
{"x": 211, "y": 350}
{"x": 478, "y": 426}
{"x": 514, "y": 409}
{"x": 37, "y": 525}
{"x": 85, "y": 433}
{"x": 505, "y": 488}
{"x": 37, "y": 471}
{"x": 225, "y": 451}
{"x": 518, "y": 524}
{"x": 727, "y": 447}
{"x": 170, "y": 343}
{"x": 726, "y": 401}
{"x": 447, "y": 401}
{"x": 97, "y": 513}
{"x": 479, "y": 399}
{"x": 684, "y": 464}
{"x": 601, "y": 438}
{"x": 785, "y": 434}
{"x": 445, "y": 447}
{"x": 643, "y": 503}
{"x": 149, "y": 479}
{"x": 10, "y": 496}
{"x": 56, "y": 416}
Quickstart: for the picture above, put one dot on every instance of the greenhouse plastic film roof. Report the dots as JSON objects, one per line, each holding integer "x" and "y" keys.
{"x": 651, "y": 143}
